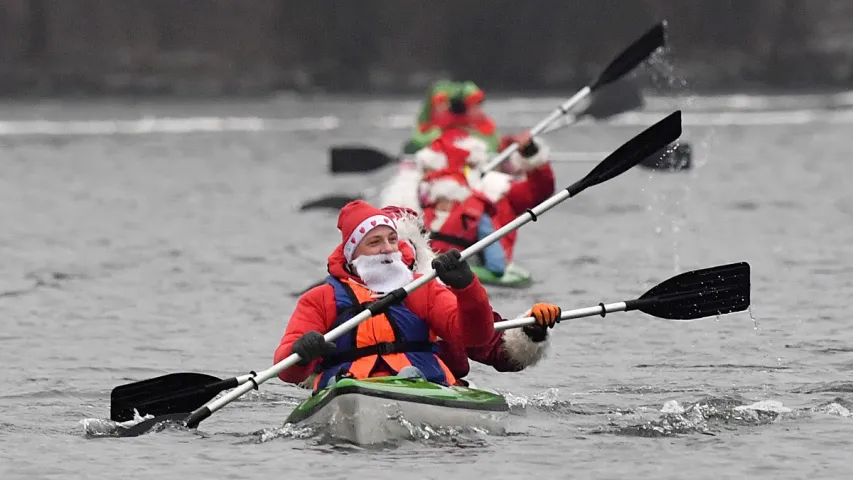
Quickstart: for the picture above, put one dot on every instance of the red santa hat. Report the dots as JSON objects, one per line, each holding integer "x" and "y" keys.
{"x": 356, "y": 219}
{"x": 448, "y": 183}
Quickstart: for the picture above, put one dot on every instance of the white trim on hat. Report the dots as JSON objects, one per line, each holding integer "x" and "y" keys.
{"x": 449, "y": 189}
{"x": 363, "y": 229}
{"x": 427, "y": 158}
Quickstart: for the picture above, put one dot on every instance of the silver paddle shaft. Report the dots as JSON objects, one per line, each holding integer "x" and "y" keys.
{"x": 567, "y": 315}
{"x": 538, "y": 129}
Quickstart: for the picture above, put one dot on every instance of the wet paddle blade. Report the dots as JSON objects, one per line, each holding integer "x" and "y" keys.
{"x": 632, "y": 56}
{"x": 698, "y": 294}
{"x": 359, "y": 159}
{"x": 614, "y": 99}
{"x": 634, "y": 151}
{"x": 674, "y": 158}
{"x": 176, "y": 392}
{"x": 146, "y": 425}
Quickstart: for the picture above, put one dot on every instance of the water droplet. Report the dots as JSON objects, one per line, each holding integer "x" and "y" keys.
{"x": 753, "y": 318}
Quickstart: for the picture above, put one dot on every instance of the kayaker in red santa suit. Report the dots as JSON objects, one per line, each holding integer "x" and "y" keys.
{"x": 457, "y": 217}
{"x": 446, "y": 151}
{"x": 366, "y": 264}
{"x": 510, "y": 196}
{"x": 510, "y": 350}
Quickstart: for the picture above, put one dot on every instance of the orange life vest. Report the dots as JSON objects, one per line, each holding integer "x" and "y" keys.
{"x": 394, "y": 340}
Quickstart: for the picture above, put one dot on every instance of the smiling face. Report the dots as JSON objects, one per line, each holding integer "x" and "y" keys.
{"x": 380, "y": 240}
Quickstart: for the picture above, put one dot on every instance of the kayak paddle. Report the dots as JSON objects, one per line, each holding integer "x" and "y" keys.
{"x": 691, "y": 295}
{"x": 628, "y": 155}
{"x": 175, "y": 392}
{"x": 630, "y": 58}
{"x": 362, "y": 159}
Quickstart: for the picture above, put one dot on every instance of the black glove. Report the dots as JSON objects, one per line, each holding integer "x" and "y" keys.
{"x": 452, "y": 271}
{"x": 536, "y": 333}
{"x": 310, "y": 346}
{"x": 530, "y": 149}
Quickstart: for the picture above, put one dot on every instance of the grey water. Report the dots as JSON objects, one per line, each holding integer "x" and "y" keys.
{"x": 130, "y": 256}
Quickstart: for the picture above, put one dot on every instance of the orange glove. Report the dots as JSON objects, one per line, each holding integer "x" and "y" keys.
{"x": 546, "y": 314}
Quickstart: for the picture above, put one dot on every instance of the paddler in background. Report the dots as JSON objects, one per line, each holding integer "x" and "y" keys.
{"x": 510, "y": 350}
{"x": 457, "y": 217}
{"x": 510, "y": 195}
{"x": 513, "y": 196}
{"x": 453, "y": 106}
{"x": 366, "y": 264}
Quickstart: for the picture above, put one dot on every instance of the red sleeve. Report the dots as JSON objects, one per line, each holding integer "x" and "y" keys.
{"x": 463, "y": 317}
{"x": 454, "y": 357}
{"x": 310, "y": 314}
{"x": 493, "y": 354}
{"x": 535, "y": 189}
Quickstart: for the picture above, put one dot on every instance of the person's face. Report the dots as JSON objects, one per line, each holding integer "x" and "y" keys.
{"x": 380, "y": 240}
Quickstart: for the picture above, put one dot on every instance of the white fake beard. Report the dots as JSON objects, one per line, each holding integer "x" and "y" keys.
{"x": 384, "y": 272}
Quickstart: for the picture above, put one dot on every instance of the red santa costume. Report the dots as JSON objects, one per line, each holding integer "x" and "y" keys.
{"x": 513, "y": 197}
{"x": 454, "y": 149}
{"x": 510, "y": 350}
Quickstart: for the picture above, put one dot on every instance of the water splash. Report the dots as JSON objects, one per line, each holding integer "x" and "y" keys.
{"x": 103, "y": 427}
{"x": 288, "y": 430}
{"x": 704, "y": 417}
{"x": 546, "y": 400}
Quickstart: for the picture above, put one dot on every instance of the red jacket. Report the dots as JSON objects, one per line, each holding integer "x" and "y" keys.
{"x": 522, "y": 195}
{"x": 459, "y": 230}
{"x": 462, "y": 317}
{"x": 492, "y": 354}
{"x": 456, "y": 357}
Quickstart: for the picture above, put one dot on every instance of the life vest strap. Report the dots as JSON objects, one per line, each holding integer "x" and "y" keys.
{"x": 382, "y": 348}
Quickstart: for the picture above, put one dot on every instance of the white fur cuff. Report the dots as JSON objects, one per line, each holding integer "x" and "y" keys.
{"x": 494, "y": 185}
{"x": 521, "y": 350}
{"x": 536, "y": 161}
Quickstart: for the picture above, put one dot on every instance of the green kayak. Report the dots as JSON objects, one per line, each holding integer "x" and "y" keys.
{"x": 514, "y": 276}
{"x": 370, "y": 411}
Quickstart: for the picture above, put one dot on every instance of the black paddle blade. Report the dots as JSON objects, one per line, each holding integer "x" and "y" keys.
{"x": 619, "y": 97}
{"x": 359, "y": 159}
{"x": 334, "y": 202}
{"x": 698, "y": 294}
{"x": 176, "y": 392}
{"x": 634, "y": 151}
{"x": 674, "y": 158}
{"x": 303, "y": 292}
{"x": 146, "y": 425}
{"x": 635, "y": 54}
